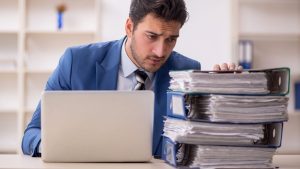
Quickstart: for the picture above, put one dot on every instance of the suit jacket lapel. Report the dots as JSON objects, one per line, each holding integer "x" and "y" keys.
{"x": 108, "y": 68}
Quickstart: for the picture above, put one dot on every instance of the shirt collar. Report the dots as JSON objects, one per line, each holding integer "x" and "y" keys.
{"x": 127, "y": 66}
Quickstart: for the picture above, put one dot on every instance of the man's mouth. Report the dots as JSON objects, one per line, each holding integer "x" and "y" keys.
{"x": 155, "y": 61}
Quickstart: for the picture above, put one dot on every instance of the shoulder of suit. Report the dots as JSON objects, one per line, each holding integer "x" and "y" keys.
{"x": 93, "y": 51}
{"x": 92, "y": 47}
{"x": 180, "y": 60}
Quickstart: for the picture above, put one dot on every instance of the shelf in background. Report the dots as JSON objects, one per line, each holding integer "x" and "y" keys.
{"x": 30, "y": 49}
{"x": 80, "y": 14}
{"x": 62, "y": 32}
{"x": 9, "y": 18}
{"x": 8, "y": 31}
{"x": 7, "y": 59}
{"x": 8, "y": 49}
{"x": 4, "y": 110}
{"x": 271, "y": 36}
{"x": 8, "y": 71}
{"x": 11, "y": 149}
{"x": 8, "y": 65}
{"x": 39, "y": 71}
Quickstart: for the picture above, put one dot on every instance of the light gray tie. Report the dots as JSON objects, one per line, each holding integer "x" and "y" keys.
{"x": 141, "y": 77}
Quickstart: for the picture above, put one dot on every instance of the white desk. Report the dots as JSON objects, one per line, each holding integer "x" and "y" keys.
{"x": 18, "y": 162}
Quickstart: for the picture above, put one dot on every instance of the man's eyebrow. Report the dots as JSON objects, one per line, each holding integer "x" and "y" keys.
{"x": 174, "y": 36}
{"x": 156, "y": 34}
{"x": 153, "y": 33}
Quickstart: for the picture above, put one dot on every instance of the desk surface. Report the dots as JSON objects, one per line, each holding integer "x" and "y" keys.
{"x": 19, "y": 161}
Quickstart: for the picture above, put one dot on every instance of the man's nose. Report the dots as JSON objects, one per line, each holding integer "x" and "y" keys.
{"x": 159, "y": 49}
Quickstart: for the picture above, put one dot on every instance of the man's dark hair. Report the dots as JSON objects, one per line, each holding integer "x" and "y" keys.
{"x": 168, "y": 10}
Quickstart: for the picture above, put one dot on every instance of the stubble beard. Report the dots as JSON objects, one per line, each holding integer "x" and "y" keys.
{"x": 134, "y": 54}
{"x": 136, "y": 57}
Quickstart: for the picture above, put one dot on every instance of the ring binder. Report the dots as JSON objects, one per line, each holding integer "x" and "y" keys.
{"x": 187, "y": 156}
{"x": 227, "y": 108}
{"x": 223, "y": 134}
{"x": 275, "y": 81}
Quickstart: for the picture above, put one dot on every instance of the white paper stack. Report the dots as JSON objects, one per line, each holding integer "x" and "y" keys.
{"x": 211, "y": 157}
{"x": 239, "y": 108}
{"x": 212, "y": 134}
{"x": 210, "y": 82}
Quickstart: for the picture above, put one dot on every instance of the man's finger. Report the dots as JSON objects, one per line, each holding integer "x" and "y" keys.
{"x": 224, "y": 66}
{"x": 216, "y": 67}
{"x": 232, "y": 66}
{"x": 240, "y": 68}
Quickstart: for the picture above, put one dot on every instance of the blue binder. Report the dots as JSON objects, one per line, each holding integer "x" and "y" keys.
{"x": 182, "y": 105}
{"x": 171, "y": 151}
{"x": 272, "y": 136}
{"x": 297, "y": 95}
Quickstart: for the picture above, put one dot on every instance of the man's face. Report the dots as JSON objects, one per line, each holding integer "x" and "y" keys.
{"x": 151, "y": 43}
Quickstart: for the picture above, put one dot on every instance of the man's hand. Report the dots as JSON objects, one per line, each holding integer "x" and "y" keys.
{"x": 225, "y": 66}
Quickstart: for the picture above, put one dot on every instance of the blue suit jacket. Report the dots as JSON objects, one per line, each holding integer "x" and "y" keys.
{"x": 95, "y": 67}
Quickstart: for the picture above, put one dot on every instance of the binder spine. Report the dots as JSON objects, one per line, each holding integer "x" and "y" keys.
{"x": 278, "y": 81}
{"x": 176, "y": 106}
{"x": 169, "y": 151}
{"x": 177, "y": 154}
{"x": 273, "y": 134}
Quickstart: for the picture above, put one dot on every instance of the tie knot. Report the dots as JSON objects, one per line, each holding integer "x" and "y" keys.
{"x": 141, "y": 76}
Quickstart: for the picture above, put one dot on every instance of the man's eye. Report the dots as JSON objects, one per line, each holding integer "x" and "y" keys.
{"x": 171, "y": 40}
{"x": 151, "y": 36}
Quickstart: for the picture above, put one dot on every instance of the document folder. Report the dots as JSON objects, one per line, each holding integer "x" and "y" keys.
{"x": 198, "y": 156}
{"x": 227, "y": 108}
{"x": 206, "y": 133}
{"x": 274, "y": 81}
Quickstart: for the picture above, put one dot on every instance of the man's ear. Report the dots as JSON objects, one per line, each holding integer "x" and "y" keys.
{"x": 129, "y": 27}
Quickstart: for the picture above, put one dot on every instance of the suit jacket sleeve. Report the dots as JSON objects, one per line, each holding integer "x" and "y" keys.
{"x": 59, "y": 80}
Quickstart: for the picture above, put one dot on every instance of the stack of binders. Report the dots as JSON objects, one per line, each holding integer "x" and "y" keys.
{"x": 225, "y": 120}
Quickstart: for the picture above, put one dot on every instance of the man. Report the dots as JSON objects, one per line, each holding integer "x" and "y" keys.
{"x": 152, "y": 30}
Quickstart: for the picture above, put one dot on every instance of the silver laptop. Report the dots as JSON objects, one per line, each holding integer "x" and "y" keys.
{"x": 97, "y": 126}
